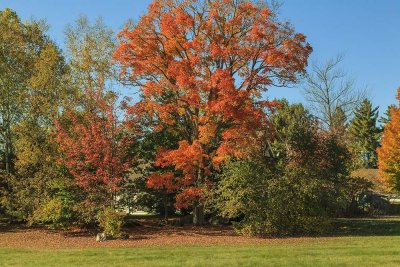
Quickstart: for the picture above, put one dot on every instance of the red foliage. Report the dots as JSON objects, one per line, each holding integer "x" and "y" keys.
{"x": 202, "y": 67}
{"x": 93, "y": 145}
{"x": 164, "y": 181}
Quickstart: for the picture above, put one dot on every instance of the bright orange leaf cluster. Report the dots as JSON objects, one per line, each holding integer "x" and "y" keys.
{"x": 389, "y": 152}
{"x": 202, "y": 67}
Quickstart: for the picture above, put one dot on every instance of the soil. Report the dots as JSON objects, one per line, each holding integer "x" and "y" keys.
{"x": 142, "y": 234}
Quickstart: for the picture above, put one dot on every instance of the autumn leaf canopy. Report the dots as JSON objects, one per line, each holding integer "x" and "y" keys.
{"x": 202, "y": 67}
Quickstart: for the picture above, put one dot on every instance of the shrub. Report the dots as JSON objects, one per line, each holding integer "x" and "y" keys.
{"x": 356, "y": 188}
{"x": 54, "y": 213}
{"x": 40, "y": 199}
{"x": 111, "y": 222}
{"x": 373, "y": 204}
{"x": 271, "y": 204}
{"x": 295, "y": 192}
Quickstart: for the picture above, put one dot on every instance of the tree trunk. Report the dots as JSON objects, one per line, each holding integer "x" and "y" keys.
{"x": 165, "y": 208}
{"x": 198, "y": 214}
{"x": 8, "y": 149}
{"x": 198, "y": 210}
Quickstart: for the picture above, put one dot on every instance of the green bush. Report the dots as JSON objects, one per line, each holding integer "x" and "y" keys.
{"x": 295, "y": 192}
{"x": 111, "y": 222}
{"x": 54, "y": 213}
{"x": 373, "y": 204}
{"x": 265, "y": 203}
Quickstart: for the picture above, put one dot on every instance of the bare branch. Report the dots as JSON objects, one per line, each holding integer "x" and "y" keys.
{"x": 328, "y": 88}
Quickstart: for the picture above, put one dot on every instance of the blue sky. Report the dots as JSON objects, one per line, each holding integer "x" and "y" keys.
{"x": 367, "y": 32}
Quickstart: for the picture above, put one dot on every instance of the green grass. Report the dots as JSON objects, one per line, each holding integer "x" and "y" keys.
{"x": 386, "y": 226}
{"x": 364, "y": 242}
{"x": 347, "y": 251}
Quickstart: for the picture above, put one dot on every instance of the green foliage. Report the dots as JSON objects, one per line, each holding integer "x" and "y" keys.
{"x": 299, "y": 191}
{"x": 32, "y": 72}
{"x": 54, "y": 213}
{"x": 32, "y": 88}
{"x": 339, "y": 120}
{"x": 135, "y": 195}
{"x": 111, "y": 221}
{"x": 90, "y": 47}
{"x": 268, "y": 204}
{"x": 56, "y": 206}
{"x": 87, "y": 214}
{"x": 386, "y": 117}
{"x": 60, "y": 208}
{"x": 36, "y": 170}
{"x": 356, "y": 189}
{"x": 364, "y": 135}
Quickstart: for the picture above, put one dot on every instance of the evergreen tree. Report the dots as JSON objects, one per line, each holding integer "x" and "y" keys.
{"x": 339, "y": 120}
{"x": 386, "y": 117}
{"x": 364, "y": 135}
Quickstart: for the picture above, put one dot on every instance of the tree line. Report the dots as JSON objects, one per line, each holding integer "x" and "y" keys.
{"x": 200, "y": 140}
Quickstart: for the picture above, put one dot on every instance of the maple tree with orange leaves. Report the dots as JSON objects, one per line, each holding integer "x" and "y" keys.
{"x": 389, "y": 152}
{"x": 202, "y": 67}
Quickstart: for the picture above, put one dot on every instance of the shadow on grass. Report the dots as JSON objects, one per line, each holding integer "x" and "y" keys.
{"x": 147, "y": 226}
{"x": 7, "y": 226}
{"x": 385, "y": 226}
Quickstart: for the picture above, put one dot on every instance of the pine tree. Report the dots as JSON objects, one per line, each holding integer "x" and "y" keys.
{"x": 385, "y": 119}
{"x": 339, "y": 120}
{"x": 364, "y": 135}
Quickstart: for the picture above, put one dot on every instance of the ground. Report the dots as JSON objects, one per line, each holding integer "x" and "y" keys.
{"x": 355, "y": 242}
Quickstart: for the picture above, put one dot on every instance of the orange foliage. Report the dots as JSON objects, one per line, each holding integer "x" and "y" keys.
{"x": 202, "y": 67}
{"x": 164, "y": 181}
{"x": 389, "y": 152}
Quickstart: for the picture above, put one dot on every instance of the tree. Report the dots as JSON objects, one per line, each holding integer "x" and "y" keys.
{"x": 94, "y": 149}
{"x": 328, "y": 89}
{"x": 386, "y": 117}
{"x": 90, "y": 132}
{"x": 31, "y": 75}
{"x": 389, "y": 152}
{"x": 364, "y": 135}
{"x": 202, "y": 67}
{"x": 90, "y": 48}
{"x": 299, "y": 191}
{"x": 36, "y": 170}
{"x": 32, "y": 90}
{"x": 14, "y": 39}
{"x": 339, "y": 121}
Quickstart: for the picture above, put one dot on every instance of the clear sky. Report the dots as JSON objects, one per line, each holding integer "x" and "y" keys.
{"x": 367, "y": 32}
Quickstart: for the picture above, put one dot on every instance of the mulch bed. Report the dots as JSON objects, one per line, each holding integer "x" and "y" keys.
{"x": 140, "y": 235}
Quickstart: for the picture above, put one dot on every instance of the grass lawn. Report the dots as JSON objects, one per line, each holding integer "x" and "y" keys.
{"x": 346, "y": 251}
{"x": 362, "y": 243}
